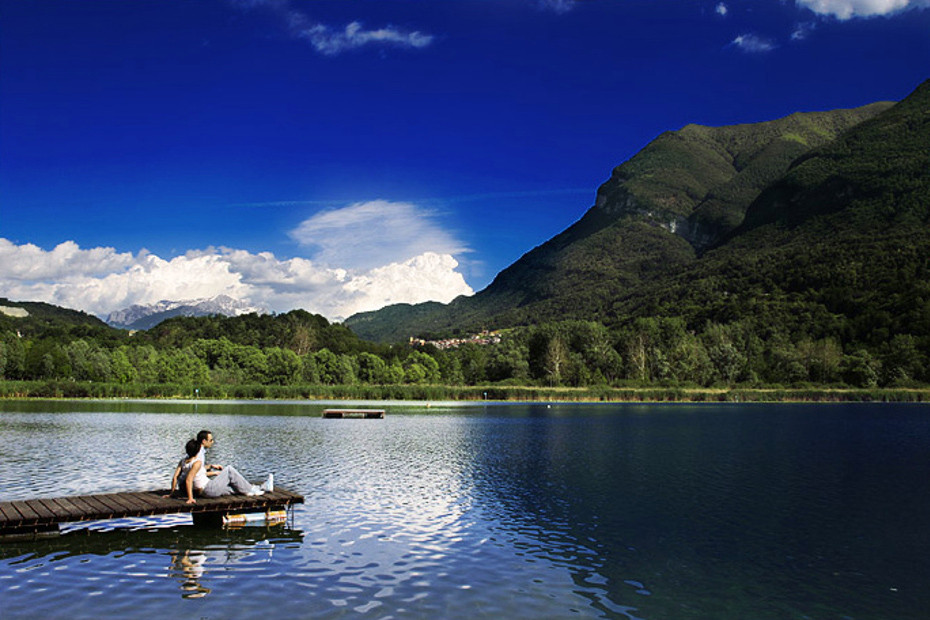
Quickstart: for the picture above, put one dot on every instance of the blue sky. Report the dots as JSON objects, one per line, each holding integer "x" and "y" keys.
{"x": 338, "y": 155}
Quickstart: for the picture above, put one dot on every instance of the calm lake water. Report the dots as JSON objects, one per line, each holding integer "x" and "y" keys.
{"x": 496, "y": 511}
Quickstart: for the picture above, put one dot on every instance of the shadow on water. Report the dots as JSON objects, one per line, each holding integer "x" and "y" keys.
{"x": 659, "y": 513}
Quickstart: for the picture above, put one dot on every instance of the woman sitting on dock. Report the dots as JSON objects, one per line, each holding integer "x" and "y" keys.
{"x": 191, "y": 473}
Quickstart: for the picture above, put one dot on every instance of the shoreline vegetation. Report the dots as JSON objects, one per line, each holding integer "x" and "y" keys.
{"x": 500, "y": 393}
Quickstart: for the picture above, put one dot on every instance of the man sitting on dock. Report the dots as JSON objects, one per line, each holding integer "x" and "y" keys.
{"x": 206, "y": 440}
{"x": 191, "y": 473}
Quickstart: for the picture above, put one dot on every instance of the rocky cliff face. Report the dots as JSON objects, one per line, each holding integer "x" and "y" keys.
{"x": 618, "y": 203}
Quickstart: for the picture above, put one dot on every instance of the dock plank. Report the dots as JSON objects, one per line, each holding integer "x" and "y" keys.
{"x": 99, "y": 510}
{"x": 107, "y": 505}
{"x": 150, "y": 502}
{"x": 82, "y": 503}
{"x": 45, "y": 515}
{"x": 60, "y": 513}
{"x": 28, "y": 514}
{"x": 130, "y": 508}
{"x": 9, "y": 512}
{"x": 73, "y": 511}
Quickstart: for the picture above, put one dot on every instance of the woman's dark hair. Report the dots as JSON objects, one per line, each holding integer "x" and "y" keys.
{"x": 202, "y": 435}
{"x": 192, "y": 447}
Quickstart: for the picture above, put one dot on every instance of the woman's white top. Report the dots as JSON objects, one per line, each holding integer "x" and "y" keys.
{"x": 200, "y": 478}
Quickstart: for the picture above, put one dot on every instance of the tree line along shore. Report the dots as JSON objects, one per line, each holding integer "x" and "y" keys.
{"x": 299, "y": 355}
{"x": 436, "y": 393}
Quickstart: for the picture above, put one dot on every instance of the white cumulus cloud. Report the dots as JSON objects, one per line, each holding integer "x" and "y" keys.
{"x": 721, "y": 9}
{"x": 101, "y": 280}
{"x": 848, "y": 9}
{"x": 30, "y": 262}
{"x": 429, "y": 276}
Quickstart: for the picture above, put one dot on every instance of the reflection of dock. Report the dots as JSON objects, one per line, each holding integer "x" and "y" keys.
{"x": 353, "y": 413}
{"x": 87, "y": 541}
{"x": 33, "y": 517}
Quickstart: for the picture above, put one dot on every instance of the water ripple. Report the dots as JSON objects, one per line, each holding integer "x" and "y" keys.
{"x": 517, "y": 512}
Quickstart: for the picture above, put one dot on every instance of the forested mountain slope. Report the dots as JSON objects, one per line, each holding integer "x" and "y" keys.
{"x": 684, "y": 193}
{"x": 34, "y": 318}
{"x": 839, "y": 247}
{"x": 297, "y": 330}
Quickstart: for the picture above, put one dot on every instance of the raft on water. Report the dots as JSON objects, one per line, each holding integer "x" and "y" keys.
{"x": 353, "y": 413}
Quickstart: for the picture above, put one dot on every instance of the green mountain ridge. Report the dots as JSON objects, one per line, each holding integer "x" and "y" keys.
{"x": 698, "y": 181}
{"x": 838, "y": 247}
{"x": 703, "y": 210}
{"x": 32, "y": 317}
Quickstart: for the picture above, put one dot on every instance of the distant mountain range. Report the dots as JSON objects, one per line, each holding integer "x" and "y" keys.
{"x": 141, "y": 317}
{"x": 815, "y": 222}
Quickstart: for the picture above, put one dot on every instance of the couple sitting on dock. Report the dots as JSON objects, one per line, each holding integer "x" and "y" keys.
{"x": 200, "y": 479}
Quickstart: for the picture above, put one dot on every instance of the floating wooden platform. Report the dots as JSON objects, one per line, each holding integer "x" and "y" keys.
{"x": 35, "y": 516}
{"x": 353, "y": 413}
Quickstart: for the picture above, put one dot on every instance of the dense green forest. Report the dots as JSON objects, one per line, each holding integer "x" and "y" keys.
{"x": 299, "y": 348}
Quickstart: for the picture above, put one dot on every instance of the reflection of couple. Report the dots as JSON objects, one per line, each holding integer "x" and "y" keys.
{"x": 199, "y": 479}
{"x": 189, "y": 569}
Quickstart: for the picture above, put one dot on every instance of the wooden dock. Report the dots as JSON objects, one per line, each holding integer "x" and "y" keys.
{"x": 353, "y": 413}
{"x": 41, "y": 516}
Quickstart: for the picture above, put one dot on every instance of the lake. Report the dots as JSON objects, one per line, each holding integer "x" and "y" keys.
{"x": 486, "y": 511}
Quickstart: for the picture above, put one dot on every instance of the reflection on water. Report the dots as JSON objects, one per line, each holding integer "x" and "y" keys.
{"x": 516, "y": 511}
{"x": 187, "y": 566}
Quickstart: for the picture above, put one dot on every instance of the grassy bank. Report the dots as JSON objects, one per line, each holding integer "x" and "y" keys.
{"x": 75, "y": 389}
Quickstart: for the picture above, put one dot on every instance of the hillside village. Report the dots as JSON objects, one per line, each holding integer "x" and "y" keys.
{"x": 482, "y": 338}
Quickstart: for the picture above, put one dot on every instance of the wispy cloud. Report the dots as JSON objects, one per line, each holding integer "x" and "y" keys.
{"x": 802, "y": 31}
{"x": 558, "y": 6}
{"x": 721, "y": 9}
{"x": 365, "y": 235}
{"x": 753, "y": 44}
{"x": 848, "y": 9}
{"x": 331, "y": 41}
{"x": 103, "y": 280}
